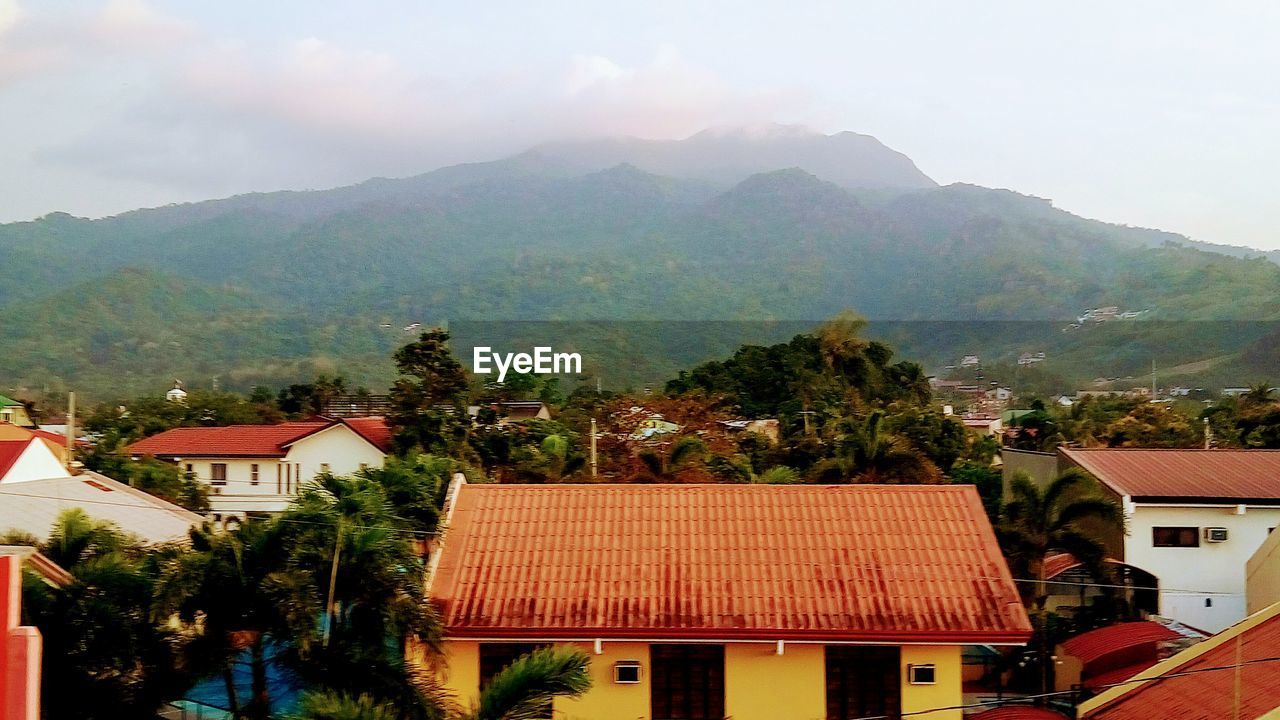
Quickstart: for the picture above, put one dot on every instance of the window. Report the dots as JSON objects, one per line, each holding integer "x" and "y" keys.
{"x": 626, "y": 672}
{"x": 218, "y": 473}
{"x": 1175, "y": 537}
{"x": 253, "y": 474}
{"x": 863, "y": 681}
{"x": 687, "y": 682}
{"x": 922, "y": 674}
{"x": 191, "y": 469}
{"x": 279, "y": 479}
{"x": 494, "y": 657}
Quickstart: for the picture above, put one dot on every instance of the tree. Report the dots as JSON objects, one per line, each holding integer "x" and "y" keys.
{"x": 666, "y": 466}
{"x": 426, "y": 408}
{"x": 1068, "y": 515}
{"x": 869, "y": 453}
{"x": 521, "y": 691}
{"x": 235, "y": 593}
{"x": 103, "y": 656}
{"x": 1149, "y": 425}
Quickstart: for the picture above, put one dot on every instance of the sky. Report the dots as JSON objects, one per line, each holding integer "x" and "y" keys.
{"x": 1158, "y": 114}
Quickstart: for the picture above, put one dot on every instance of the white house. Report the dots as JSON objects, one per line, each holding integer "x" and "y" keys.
{"x": 1193, "y": 519}
{"x": 258, "y": 469}
{"x": 28, "y": 459}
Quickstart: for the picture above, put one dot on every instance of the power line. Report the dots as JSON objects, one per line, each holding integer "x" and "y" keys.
{"x": 1059, "y": 693}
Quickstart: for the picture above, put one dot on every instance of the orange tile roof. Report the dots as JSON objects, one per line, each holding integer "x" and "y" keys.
{"x": 891, "y": 563}
{"x": 1099, "y": 643}
{"x": 1200, "y": 682}
{"x": 1179, "y": 475}
{"x": 374, "y": 429}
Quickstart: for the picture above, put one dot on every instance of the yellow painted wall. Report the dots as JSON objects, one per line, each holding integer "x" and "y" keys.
{"x": 607, "y": 699}
{"x": 946, "y": 692}
{"x": 1262, "y": 575}
{"x": 759, "y": 684}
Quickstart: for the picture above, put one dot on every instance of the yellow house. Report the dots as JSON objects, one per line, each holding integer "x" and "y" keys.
{"x": 14, "y": 413}
{"x": 702, "y": 602}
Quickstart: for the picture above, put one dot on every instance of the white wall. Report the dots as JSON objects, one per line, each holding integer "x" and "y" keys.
{"x": 1214, "y": 572}
{"x": 279, "y": 479}
{"x": 37, "y": 462}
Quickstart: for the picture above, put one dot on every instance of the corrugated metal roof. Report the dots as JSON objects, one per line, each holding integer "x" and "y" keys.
{"x": 1229, "y": 475}
{"x": 849, "y": 562}
{"x": 33, "y": 507}
{"x": 1200, "y": 682}
{"x": 1095, "y": 644}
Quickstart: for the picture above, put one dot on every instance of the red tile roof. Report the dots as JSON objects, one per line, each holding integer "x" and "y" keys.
{"x": 1017, "y": 712}
{"x": 820, "y": 562}
{"x": 10, "y": 451}
{"x": 1102, "y": 681}
{"x": 228, "y": 441}
{"x": 373, "y": 429}
{"x": 1200, "y": 682}
{"x": 1057, "y": 563}
{"x": 1226, "y": 475}
{"x": 1098, "y": 643}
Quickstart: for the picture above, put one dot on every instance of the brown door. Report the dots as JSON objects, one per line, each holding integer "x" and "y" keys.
{"x": 687, "y": 682}
{"x": 863, "y": 681}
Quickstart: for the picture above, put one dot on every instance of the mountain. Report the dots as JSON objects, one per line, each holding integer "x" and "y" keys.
{"x": 267, "y": 288}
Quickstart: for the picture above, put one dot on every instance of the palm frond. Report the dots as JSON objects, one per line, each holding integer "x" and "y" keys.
{"x": 523, "y": 689}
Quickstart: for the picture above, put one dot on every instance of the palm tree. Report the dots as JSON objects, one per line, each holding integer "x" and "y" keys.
{"x": 521, "y": 691}
{"x": 1258, "y": 394}
{"x": 1066, "y": 516}
{"x": 235, "y": 592}
{"x": 684, "y": 453}
{"x": 76, "y": 538}
{"x": 871, "y": 454}
{"x": 344, "y": 535}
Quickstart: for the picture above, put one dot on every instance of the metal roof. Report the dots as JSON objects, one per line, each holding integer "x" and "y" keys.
{"x": 1182, "y": 475}
{"x": 1232, "y": 674}
{"x": 857, "y": 563}
{"x": 33, "y": 506}
{"x": 1096, "y": 644}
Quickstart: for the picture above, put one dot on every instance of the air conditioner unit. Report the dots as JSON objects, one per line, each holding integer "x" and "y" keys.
{"x": 1215, "y": 534}
{"x": 626, "y": 672}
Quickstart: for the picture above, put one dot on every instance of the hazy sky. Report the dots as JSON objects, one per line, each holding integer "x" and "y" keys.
{"x": 1163, "y": 114}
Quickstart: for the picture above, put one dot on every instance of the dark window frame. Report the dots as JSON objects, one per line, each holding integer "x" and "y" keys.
{"x": 1175, "y": 536}
{"x": 854, "y": 690}
{"x": 217, "y": 473}
{"x": 686, "y": 681}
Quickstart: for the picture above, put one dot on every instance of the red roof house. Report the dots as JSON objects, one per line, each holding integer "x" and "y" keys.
{"x": 1231, "y": 675}
{"x": 259, "y": 468}
{"x": 878, "y": 572}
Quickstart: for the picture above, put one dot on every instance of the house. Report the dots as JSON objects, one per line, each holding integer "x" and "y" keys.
{"x": 56, "y": 442}
{"x": 27, "y": 460}
{"x": 757, "y": 602}
{"x": 512, "y": 411}
{"x": 1230, "y": 675}
{"x": 256, "y": 469}
{"x": 176, "y": 394}
{"x": 33, "y": 507}
{"x": 970, "y": 361}
{"x": 1027, "y": 358}
{"x": 20, "y": 661}
{"x": 1193, "y": 519}
{"x": 14, "y": 412}
{"x": 989, "y": 425}
{"x": 1107, "y": 655}
{"x": 999, "y": 394}
{"x": 1262, "y": 575}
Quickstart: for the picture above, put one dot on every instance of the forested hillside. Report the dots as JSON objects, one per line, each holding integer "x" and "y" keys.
{"x": 270, "y": 287}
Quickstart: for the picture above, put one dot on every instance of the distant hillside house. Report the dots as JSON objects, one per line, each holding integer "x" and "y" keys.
{"x": 14, "y": 413}
{"x": 1193, "y": 519}
{"x": 257, "y": 469}
{"x": 1027, "y": 358}
{"x": 755, "y": 602}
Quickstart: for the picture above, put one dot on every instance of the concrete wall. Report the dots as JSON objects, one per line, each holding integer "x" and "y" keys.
{"x": 1041, "y": 467}
{"x": 1262, "y": 575}
{"x": 759, "y": 683}
{"x": 1201, "y": 586}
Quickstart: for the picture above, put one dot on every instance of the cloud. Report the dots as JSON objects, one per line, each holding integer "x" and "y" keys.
{"x": 310, "y": 113}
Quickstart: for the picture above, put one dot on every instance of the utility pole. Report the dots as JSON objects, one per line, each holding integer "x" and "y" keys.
{"x": 71, "y": 430}
{"x": 594, "y": 467}
{"x": 1208, "y": 435}
{"x": 1153, "y": 379}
